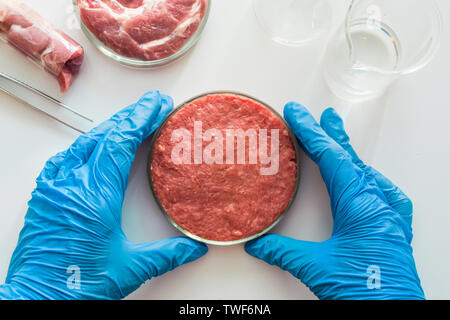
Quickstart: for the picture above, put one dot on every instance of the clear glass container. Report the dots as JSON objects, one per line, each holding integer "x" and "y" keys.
{"x": 294, "y": 22}
{"x": 189, "y": 234}
{"x": 379, "y": 41}
{"x": 132, "y": 62}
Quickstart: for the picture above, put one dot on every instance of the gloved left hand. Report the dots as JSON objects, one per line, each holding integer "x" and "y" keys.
{"x": 369, "y": 255}
{"x": 72, "y": 245}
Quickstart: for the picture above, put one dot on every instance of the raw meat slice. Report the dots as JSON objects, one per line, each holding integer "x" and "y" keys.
{"x": 221, "y": 200}
{"x": 143, "y": 29}
{"x": 30, "y": 33}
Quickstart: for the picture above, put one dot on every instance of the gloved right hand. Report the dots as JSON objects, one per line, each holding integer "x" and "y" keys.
{"x": 369, "y": 255}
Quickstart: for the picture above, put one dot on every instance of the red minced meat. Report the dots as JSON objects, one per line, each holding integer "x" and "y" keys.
{"x": 223, "y": 202}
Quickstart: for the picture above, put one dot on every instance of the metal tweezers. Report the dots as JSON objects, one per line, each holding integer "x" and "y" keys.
{"x": 46, "y": 104}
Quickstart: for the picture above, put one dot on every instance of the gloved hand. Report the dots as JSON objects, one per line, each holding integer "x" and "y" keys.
{"x": 73, "y": 225}
{"x": 369, "y": 254}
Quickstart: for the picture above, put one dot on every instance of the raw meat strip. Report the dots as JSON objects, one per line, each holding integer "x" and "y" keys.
{"x": 30, "y": 33}
{"x": 143, "y": 29}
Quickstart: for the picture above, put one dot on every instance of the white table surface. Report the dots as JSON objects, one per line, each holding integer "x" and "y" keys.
{"x": 404, "y": 134}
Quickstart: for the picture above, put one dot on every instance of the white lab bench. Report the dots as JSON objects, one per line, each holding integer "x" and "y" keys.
{"x": 405, "y": 135}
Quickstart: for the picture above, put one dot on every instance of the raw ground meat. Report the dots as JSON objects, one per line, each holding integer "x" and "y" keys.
{"x": 143, "y": 29}
{"x": 223, "y": 202}
{"x": 30, "y": 33}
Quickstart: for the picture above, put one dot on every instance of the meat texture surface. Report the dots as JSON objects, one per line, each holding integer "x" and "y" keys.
{"x": 26, "y": 30}
{"x": 220, "y": 201}
{"x": 143, "y": 29}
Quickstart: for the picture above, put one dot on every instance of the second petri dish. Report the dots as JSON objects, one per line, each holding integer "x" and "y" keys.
{"x": 143, "y": 33}
{"x": 294, "y": 22}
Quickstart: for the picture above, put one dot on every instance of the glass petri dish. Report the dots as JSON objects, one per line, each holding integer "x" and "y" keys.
{"x": 189, "y": 234}
{"x": 294, "y": 23}
{"x": 137, "y": 63}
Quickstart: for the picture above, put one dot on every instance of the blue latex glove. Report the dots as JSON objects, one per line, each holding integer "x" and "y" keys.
{"x": 73, "y": 225}
{"x": 369, "y": 255}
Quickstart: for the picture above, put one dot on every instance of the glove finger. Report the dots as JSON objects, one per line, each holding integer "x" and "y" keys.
{"x": 114, "y": 154}
{"x": 80, "y": 151}
{"x": 295, "y": 256}
{"x": 396, "y": 198}
{"x": 156, "y": 258}
{"x": 166, "y": 108}
{"x": 339, "y": 172}
{"x": 51, "y": 167}
{"x": 333, "y": 125}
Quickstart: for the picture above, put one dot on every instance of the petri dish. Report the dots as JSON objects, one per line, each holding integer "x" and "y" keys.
{"x": 154, "y": 154}
{"x": 138, "y": 63}
{"x": 294, "y": 23}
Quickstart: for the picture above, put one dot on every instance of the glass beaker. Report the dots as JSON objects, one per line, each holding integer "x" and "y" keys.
{"x": 379, "y": 41}
{"x": 293, "y": 22}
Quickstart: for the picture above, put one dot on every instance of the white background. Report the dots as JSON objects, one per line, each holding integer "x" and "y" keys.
{"x": 404, "y": 134}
